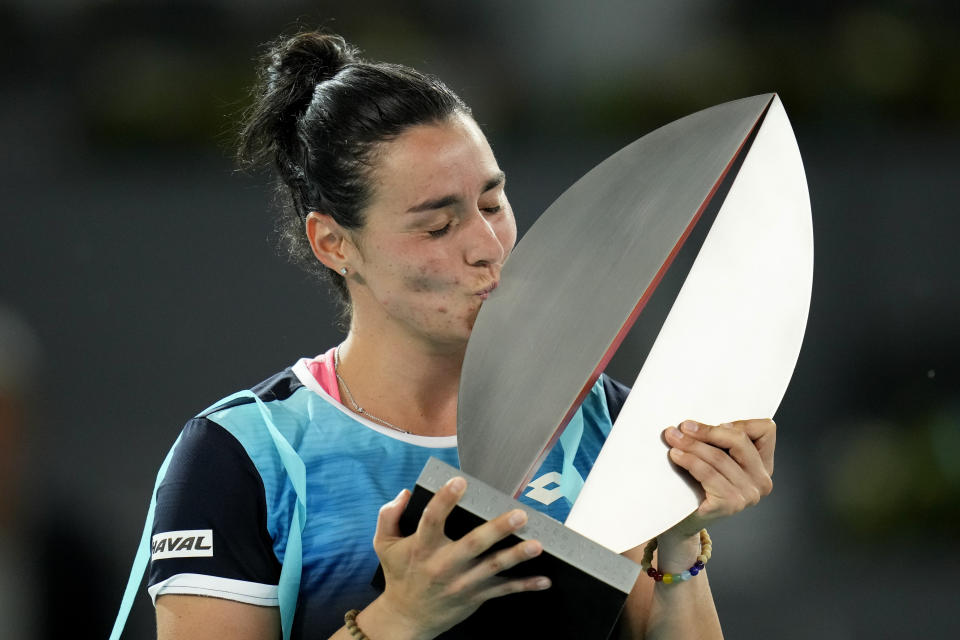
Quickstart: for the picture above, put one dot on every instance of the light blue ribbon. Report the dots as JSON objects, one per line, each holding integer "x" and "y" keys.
{"x": 143, "y": 555}
{"x": 571, "y": 482}
{"x": 289, "y": 586}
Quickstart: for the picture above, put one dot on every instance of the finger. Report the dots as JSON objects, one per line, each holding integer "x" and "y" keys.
{"x": 728, "y": 450}
{"x": 726, "y": 437}
{"x": 497, "y": 587}
{"x": 434, "y": 515}
{"x": 763, "y": 433}
{"x": 501, "y": 560}
{"x": 732, "y": 453}
{"x": 722, "y": 496}
{"x": 388, "y": 519}
{"x": 713, "y": 443}
{"x": 481, "y": 538}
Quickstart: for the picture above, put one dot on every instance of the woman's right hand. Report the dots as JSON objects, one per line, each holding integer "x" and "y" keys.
{"x": 433, "y": 582}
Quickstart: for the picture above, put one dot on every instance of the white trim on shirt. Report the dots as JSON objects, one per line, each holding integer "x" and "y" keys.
{"x": 303, "y": 374}
{"x": 195, "y": 584}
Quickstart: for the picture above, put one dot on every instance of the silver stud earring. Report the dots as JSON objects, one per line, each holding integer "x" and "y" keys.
{"x": 343, "y": 271}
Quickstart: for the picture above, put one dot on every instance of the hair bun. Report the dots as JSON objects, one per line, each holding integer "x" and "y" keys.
{"x": 289, "y": 72}
{"x": 308, "y": 59}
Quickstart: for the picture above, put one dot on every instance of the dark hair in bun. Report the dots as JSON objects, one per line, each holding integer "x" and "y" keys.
{"x": 318, "y": 114}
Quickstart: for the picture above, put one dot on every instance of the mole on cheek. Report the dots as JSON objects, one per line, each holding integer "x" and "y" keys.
{"x": 441, "y": 309}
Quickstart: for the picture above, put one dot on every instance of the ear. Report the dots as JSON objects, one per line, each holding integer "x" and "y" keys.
{"x": 330, "y": 242}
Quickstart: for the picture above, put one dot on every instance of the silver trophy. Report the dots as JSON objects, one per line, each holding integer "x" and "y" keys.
{"x": 725, "y": 185}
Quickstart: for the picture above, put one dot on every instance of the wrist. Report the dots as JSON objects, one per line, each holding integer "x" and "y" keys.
{"x": 676, "y": 553}
{"x": 380, "y": 620}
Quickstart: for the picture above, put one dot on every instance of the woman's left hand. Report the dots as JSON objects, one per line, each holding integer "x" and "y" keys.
{"x": 733, "y": 462}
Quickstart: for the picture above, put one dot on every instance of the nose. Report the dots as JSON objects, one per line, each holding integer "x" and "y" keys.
{"x": 484, "y": 246}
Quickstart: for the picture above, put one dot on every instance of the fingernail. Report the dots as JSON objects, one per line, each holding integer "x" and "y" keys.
{"x": 676, "y": 433}
{"x": 517, "y": 518}
{"x": 399, "y": 495}
{"x": 543, "y": 583}
{"x": 531, "y": 548}
{"x": 458, "y": 484}
{"x": 690, "y": 427}
{"x": 676, "y": 453}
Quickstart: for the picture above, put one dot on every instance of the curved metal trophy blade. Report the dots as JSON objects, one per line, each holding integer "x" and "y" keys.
{"x": 576, "y": 282}
{"x": 726, "y": 351}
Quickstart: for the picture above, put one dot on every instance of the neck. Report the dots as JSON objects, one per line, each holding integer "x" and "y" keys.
{"x": 402, "y": 381}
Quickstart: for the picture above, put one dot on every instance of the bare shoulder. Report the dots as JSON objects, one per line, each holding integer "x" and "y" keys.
{"x": 181, "y": 617}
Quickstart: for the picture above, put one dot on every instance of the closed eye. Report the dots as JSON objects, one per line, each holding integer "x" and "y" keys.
{"x": 442, "y": 231}
{"x": 492, "y": 210}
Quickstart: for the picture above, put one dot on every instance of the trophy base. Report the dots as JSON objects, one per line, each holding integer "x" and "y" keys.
{"x": 590, "y": 582}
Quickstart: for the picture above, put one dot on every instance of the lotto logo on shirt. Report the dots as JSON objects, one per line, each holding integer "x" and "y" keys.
{"x": 195, "y": 543}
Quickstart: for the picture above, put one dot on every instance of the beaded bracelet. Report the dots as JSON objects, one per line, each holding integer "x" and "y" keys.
{"x": 350, "y": 619}
{"x": 706, "y": 550}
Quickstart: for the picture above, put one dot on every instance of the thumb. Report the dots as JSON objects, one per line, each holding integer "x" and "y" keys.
{"x": 388, "y": 520}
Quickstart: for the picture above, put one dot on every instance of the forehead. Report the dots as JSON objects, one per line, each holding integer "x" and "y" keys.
{"x": 433, "y": 160}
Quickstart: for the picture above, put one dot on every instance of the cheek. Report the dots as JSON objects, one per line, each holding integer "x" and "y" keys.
{"x": 507, "y": 232}
{"x": 432, "y": 285}
{"x": 430, "y": 277}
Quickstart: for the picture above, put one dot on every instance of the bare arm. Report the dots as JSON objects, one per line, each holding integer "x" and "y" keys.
{"x": 181, "y": 617}
{"x": 734, "y": 464}
{"x": 201, "y": 618}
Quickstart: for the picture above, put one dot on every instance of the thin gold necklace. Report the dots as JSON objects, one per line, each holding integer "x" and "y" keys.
{"x": 356, "y": 407}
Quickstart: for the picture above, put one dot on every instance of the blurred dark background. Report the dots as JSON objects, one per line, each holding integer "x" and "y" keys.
{"x": 139, "y": 279}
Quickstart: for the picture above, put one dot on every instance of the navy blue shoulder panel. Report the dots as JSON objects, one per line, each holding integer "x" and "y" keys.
{"x": 277, "y": 387}
{"x": 616, "y": 395}
{"x": 212, "y": 484}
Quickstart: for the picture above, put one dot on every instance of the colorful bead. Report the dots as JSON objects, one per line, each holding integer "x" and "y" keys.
{"x": 706, "y": 550}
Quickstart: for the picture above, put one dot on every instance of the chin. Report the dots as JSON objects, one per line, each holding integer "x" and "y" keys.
{"x": 460, "y": 338}
{"x": 470, "y": 320}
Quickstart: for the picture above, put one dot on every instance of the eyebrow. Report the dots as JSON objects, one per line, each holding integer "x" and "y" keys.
{"x": 446, "y": 201}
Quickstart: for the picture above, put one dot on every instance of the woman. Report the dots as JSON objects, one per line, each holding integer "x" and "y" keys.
{"x": 392, "y": 193}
